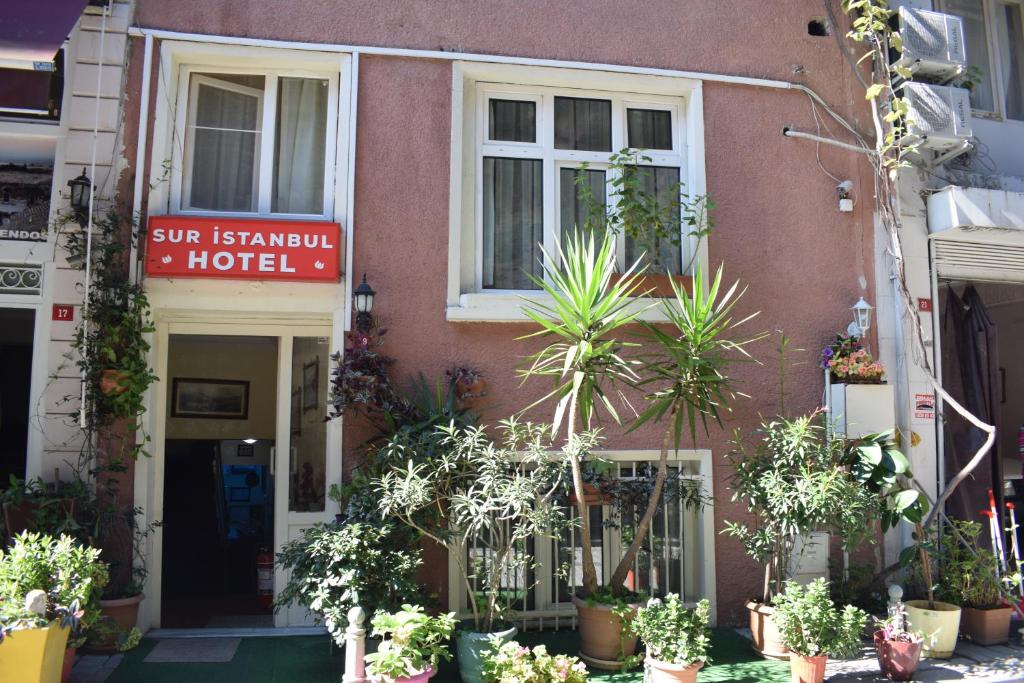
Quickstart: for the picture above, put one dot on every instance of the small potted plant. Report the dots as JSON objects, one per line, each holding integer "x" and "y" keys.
{"x": 813, "y": 629}
{"x": 510, "y": 662}
{"x": 677, "y": 638}
{"x": 898, "y": 650}
{"x": 970, "y": 579}
{"x": 413, "y": 644}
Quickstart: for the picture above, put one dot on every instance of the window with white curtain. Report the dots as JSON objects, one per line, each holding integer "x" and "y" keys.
{"x": 258, "y": 144}
{"x": 532, "y": 143}
{"x": 994, "y": 35}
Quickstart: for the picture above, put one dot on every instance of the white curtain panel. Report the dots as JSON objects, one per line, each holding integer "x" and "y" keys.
{"x": 225, "y": 150}
{"x": 300, "y": 148}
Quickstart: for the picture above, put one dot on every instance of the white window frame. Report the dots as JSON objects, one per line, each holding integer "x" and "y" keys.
{"x": 180, "y": 59}
{"x": 995, "y": 75}
{"x": 474, "y": 84}
{"x": 564, "y": 612}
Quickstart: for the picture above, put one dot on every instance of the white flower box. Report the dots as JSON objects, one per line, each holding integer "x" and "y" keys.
{"x": 859, "y": 409}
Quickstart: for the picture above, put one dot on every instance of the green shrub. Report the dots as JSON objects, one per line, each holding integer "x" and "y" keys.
{"x": 810, "y": 624}
{"x": 413, "y": 642}
{"x": 673, "y": 633}
{"x": 335, "y": 567}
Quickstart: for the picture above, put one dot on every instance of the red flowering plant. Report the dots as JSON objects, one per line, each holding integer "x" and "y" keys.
{"x": 850, "y": 363}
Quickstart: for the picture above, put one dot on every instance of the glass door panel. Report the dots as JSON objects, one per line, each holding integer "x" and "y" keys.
{"x": 308, "y": 426}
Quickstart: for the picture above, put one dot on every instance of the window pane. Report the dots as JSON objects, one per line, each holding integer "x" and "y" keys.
{"x": 574, "y": 209}
{"x": 513, "y": 121}
{"x": 972, "y": 13}
{"x": 1011, "y": 38}
{"x": 300, "y": 146}
{"x": 224, "y": 142}
{"x": 307, "y": 473}
{"x": 661, "y": 183}
{"x": 649, "y": 128}
{"x": 513, "y": 222}
{"x": 583, "y": 124}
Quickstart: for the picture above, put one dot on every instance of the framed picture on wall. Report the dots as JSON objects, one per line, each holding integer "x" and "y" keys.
{"x": 213, "y": 399}
{"x": 310, "y": 384}
{"x": 296, "y": 411}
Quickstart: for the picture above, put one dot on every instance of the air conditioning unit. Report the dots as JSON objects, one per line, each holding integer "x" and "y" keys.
{"x": 933, "y": 43}
{"x": 939, "y": 116}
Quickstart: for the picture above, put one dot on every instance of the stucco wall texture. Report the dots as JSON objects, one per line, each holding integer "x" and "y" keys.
{"x": 778, "y": 228}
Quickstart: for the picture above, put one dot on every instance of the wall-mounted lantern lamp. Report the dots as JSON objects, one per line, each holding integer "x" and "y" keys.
{"x": 80, "y": 188}
{"x": 861, "y": 319}
{"x": 363, "y": 296}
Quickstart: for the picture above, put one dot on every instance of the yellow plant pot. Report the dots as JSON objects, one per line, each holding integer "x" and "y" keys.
{"x": 939, "y": 625}
{"x": 34, "y": 655}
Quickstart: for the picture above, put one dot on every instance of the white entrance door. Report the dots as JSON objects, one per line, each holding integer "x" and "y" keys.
{"x": 306, "y": 456}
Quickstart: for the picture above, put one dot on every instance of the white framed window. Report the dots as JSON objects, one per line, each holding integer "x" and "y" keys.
{"x": 677, "y": 556}
{"x": 251, "y": 132}
{"x": 994, "y": 36}
{"x": 520, "y": 137}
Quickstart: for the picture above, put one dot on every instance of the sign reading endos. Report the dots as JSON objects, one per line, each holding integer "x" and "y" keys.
{"x": 243, "y": 249}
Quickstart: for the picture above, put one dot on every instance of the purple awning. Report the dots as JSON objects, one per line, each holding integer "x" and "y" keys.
{"x": 31, "y": 31}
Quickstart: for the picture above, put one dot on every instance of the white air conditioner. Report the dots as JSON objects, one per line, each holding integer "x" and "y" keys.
{"x": 939, "y": 116}
{"x": 933, "y": 43}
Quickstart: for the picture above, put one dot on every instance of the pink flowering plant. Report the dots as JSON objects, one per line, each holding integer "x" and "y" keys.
{"x": 850, "y": 363}
{"x": 510, "y": 662}
{"x": 672, "y": 632}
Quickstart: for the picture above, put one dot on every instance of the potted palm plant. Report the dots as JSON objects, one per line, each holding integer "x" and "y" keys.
{"x": 585, "y": 315}
{"x": 676, "y": 638}
{"x": 457, "y": 487}
{"x": 413, "y": 644}
{"x": 814, "y": 629}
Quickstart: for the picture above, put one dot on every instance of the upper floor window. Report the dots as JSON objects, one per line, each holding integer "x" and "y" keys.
{"x": 545, "y": 164}
{"x": 257, "y": 143}
{"x": 994, "y": 35}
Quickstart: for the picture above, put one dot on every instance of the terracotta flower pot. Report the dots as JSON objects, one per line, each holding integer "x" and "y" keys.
{"x": 591, "y": 496}
{"x": 112, "y": 382}
{"x": 898, "y": 660}
{"x": 125, "y": 613}
{"x": 69, "y": 664}
{"x": 987, "y": 626}
{"x": 767, "y": 641}
{"x": 603, "y": 643}
{"x": 666, "y": 672}
{"x": 807, "y": 669}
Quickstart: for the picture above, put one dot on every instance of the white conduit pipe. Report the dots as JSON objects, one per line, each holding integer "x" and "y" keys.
{"x": 83, "y": 408}
{"x": 140, "y": 154}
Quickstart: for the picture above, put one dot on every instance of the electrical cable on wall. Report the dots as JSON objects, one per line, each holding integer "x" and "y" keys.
{"x": 83, "y": 408}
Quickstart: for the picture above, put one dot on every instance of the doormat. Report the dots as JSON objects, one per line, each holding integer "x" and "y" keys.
{"x": 193, "y": 650}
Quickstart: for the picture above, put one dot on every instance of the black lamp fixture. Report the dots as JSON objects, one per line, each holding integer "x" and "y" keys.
{"x": 80, "y": 188}
{"x": 363, "y": 296}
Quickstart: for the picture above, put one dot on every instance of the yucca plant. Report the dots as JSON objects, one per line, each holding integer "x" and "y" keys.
{"x": 585, "y": 314}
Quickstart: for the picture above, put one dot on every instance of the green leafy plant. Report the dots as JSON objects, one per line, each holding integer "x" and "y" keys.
{"x": 413, "y": 642}
{"x": 672, "y": 632}
{"x": 810, "y": 624}
{"x": 334, "y": 567}
{"x": 795, "y": 481}
{"x": 71, "y": 575}
{"x": 510, "y": 662}
{"x": 461, "y": 489}
{"x": 969, "y": 573}
{"x": 45, "y": 508}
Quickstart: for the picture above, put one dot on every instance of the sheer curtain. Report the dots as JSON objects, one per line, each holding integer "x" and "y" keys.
{"x": 300, "y": 146}
{"x": 1011, "y": 28}
{"x": 225, "y": 147}
{"x": 513, "y": 222}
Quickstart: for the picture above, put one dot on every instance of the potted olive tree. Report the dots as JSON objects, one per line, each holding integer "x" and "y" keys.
{"x": 682, "y": 374}
{"x": 814, "y": 629}
{"x": 794, "y": 481}
{"x": 676, "y": 638}
{"x": 478, "y": 499}
{"x": 413, "y": 644}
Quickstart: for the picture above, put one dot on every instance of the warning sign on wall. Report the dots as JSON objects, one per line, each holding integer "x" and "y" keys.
{"x": 924, "y": 406}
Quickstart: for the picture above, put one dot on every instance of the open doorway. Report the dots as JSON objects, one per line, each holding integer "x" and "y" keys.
{"x": 17, "y": 327}
{"x": 218, "y": 517}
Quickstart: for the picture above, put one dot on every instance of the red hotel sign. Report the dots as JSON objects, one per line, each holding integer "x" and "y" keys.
{"x": 243, "y": 249}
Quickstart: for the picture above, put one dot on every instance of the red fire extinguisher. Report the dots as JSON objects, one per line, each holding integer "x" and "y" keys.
{"x": 264, "y": 577}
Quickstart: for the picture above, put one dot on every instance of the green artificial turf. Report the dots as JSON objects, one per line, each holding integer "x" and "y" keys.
{"x": 312, "y": 660}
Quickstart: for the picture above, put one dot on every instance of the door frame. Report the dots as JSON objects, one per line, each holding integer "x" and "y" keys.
{"x": 149, "y": 471}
